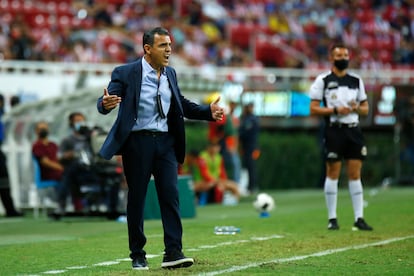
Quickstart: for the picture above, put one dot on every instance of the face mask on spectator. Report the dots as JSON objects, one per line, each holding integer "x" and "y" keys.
{"x": 43, "y": 133}
{"x": 78, "y": 125}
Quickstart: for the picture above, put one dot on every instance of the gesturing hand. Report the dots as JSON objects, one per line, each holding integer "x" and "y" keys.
{"x": 217, "y": 112}
{"x": 109, "y": 102}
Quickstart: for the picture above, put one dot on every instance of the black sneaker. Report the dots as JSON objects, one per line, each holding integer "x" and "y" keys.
{"x": 140, "y": 263}
{"x": 360, "y": 224}
{"x": 14, "y": 214}
{"x": 176, "y": 259}
{"x": 333, "y": 224}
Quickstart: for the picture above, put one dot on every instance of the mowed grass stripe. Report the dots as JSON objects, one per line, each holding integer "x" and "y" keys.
{"x": 34, "y": 238}
{"x": 298, "y": 258}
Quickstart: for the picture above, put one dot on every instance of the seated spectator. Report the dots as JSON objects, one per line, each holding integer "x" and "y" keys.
{"x": 5, "y": 191}
{"x": 209, "y": 174}
{"x": 77, "y": 158}
{"x": 46, "y": 154}
{"x": 86, "y": 178}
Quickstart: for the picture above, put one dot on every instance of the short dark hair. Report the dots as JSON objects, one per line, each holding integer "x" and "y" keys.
{"x": 337, "y": 45}
{"x": 148, "y": 37}
{"x": 72, "y": 117}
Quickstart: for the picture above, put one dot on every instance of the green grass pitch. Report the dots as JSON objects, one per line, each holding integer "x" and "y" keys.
{"x": 294, "y": 240}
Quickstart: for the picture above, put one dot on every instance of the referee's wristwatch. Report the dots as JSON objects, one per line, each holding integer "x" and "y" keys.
{"x": 335, "y": 110}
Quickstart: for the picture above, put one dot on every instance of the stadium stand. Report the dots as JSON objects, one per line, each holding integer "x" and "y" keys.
{"x": 110, "y": 30}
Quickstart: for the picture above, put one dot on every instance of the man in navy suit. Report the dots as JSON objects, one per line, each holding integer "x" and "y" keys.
{"x": 149, "y": 135}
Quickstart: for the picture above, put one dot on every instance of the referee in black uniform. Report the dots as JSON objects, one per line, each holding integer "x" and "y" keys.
{"x": 344, "y": 100}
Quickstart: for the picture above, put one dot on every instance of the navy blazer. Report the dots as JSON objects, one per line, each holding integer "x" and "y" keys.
{"x": 126, "y": 83}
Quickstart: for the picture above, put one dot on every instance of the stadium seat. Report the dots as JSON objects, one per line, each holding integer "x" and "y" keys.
{"x": 385, "y": 42}
{"x": 367, "y": 42}
{"x": 240, "y": 35}
{"x": 385, "y": 56}
{"x": 43, "y": 189}
{"x": 268, "y": 53}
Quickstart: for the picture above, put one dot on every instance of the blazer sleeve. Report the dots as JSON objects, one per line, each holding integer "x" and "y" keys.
{"x": 115, "y": 87}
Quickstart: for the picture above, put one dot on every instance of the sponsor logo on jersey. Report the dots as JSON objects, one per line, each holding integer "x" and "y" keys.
{"x": 332, "y": 85}
{"x": 364, "y": 151}
{"x": 332, "y": 155}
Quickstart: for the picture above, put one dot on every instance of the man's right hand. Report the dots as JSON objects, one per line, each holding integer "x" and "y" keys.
{"x": 109, "y": 102}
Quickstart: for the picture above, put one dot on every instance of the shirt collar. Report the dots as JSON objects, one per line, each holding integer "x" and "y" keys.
{"x": 147, "y": 68}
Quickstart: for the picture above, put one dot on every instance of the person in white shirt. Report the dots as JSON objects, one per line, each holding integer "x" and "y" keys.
{"x": 344, "y": 100}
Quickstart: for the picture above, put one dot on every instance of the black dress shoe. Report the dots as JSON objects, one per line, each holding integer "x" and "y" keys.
{"x": 140, "y": 263}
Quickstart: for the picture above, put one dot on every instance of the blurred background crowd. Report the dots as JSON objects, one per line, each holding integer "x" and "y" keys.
{"x": 264, "y": 33}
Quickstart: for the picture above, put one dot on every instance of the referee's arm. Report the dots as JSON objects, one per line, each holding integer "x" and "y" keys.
{"x": 361, "y": 109}
{"x": 317, "y": 109}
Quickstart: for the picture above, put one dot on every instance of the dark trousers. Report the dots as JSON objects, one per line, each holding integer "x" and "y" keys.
{"x": 143, "y": 155}
{"x": 250, "y": 164}
{"x": 5, "y": 193}
{"x": 7, "y": 201}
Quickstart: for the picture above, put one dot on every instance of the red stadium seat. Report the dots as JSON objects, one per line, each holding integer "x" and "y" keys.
{"x": 365, "y": 15}
{"x": 386, "y": 56}
{"x": 64, "y": 21}
{"x": 16, "y": 6}
{"x": 268, "y": 53}
{"x": 240, "y": 35}
{"x": 64, "y": 8}
{"x": 40, "y": 21}
{"x": 385, "y": 42}
{"x": 367, "y": 42}
{"x": 365, "y": 55}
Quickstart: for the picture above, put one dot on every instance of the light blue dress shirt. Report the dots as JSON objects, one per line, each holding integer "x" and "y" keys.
{"x": 148, "y": 116}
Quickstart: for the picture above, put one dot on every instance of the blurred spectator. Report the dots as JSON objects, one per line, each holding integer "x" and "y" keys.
{"x": 5, "y": 192}
{"x": 87, "y": 178}
{"x": 46, "y": 154}
{"x": 209, "y": 174}
{"x": 21, "y": 44}
{"x": 248, "y": 137}
{"x": 405, "y": 53}
{"x": 203, "y": 29}
{"x": 76, "y": 156}
{"x": 406, "y": 122}
{"x": 232, "y": 142}
{"x": 14, "y": 101}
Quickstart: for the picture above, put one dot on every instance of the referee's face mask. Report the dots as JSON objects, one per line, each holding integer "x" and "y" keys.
{"x": 341, "y": 64}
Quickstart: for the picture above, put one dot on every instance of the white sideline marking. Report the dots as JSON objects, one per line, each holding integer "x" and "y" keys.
{"x": 296, "y": 258}
{"x": 106, "y": 263}
{"x": 77, "y": 267}
{"x": 54, "y": 271}
{"x": 150, "y": 256}
{"x": 235, "y": 242}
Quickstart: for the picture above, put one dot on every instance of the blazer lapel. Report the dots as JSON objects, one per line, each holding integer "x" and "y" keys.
{"x": 174, "y": 89}
{"x": 136, "y": 78}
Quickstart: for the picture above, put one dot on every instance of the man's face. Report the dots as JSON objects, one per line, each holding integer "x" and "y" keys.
{"x": 78, "y": 119}
{"x": 160, "y": 52}
{"x": 41, "y": 127}
{"x": 78, "y": 122}
{"x": 214, "y": 149}
{"x": 339, "y": 53}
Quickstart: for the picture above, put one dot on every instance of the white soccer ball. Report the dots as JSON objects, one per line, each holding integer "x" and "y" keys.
{"x": 264, "y": 203}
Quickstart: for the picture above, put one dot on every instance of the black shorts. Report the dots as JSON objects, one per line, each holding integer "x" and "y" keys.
{"x": 344, "y": 143}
